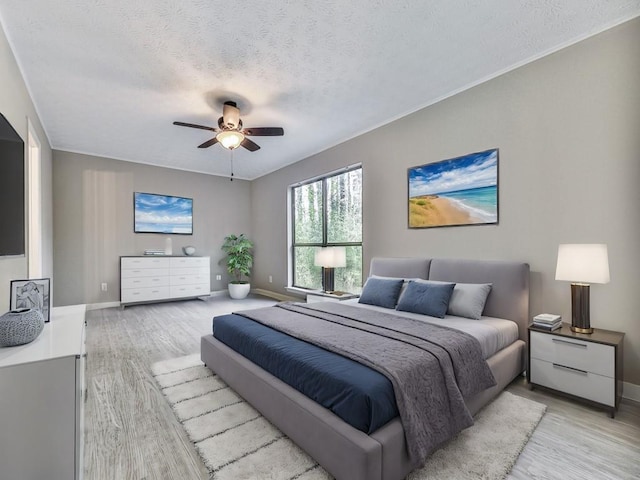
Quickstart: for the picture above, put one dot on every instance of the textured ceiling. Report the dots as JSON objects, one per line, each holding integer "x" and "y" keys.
{"x": 109, "y": 77}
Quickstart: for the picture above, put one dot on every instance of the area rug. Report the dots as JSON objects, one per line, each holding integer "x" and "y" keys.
{"x": 235, "y": 442}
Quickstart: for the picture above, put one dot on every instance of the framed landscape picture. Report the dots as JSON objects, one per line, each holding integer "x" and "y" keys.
{"x": 32, "y": 293}
{"x": 457, "y": 191}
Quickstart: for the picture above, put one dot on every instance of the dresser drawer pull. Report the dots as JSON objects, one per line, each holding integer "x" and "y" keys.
{"x": 581, "y": 345}
{"x": 575, "y": 370}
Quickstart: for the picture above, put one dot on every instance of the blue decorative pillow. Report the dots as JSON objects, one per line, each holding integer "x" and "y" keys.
{"x": 383, "y": 292}
{"x": 426, "y": 298}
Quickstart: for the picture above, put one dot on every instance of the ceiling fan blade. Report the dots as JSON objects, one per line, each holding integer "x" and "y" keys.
{"x": 208, "y": 143}
{"x": 264, "y": 131}
{"x": 193, "y": 125}
{"x": 250, "y": 145}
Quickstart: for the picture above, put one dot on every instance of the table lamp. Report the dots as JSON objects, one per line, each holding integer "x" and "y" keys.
{"x": 329, "y": 258}
{"x": 582, "y": 264}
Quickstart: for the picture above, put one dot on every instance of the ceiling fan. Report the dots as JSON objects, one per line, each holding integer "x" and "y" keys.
{"x": 230, "y": 133}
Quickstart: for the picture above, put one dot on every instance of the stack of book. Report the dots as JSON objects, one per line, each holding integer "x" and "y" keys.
{"x": 150, "y": 251}
{"x": 547, "y": 321}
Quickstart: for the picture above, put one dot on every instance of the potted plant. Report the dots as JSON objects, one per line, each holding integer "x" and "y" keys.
{"x": 239, "y": 250}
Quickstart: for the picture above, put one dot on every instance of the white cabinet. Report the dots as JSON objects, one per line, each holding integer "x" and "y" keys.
{"x": 588, "y": 366}
{"x": 154, "y": 279}
{"x": 42, "y": 389}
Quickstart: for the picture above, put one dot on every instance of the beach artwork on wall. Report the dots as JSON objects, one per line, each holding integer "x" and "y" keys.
{"x": 458, "y": 191}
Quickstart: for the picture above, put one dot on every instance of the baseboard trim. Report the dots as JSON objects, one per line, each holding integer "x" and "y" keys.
{"x": 220, "y": 293}
{"x": 631, "y": 391}
{"x": 100, "y": 306}
{"x": 274, "y": 295}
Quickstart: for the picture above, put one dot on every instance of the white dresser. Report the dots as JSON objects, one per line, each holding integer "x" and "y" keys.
{"x": 588, "y": 366}
{"x": 153, "y": 279}
{"x": 42, "y": 391}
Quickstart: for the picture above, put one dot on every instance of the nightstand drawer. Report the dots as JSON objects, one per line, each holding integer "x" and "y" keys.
{"x": 583, "y": 384}
{"x": 582, "y": 355}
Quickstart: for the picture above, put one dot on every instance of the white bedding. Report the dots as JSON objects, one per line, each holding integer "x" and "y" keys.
{"x": 494, "y": 334}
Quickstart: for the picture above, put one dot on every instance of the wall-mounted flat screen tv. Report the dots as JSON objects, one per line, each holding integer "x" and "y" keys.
{"x": 12, "y": 228}
{"x": 162, "y": 214}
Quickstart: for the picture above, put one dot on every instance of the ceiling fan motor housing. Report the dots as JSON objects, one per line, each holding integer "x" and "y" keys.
{"x": 230, "y": 116}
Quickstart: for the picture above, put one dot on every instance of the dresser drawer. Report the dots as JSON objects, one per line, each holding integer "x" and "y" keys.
{"x": 189, "y": 262}
{"x": 137, "y": 282}
{"x": 144, "y": 262}
{"x": 582, "y": 355}
{"x": 178, "y": 291}
{"x": 179, "y": 271}
{"x": 128, "y": 295}
{"x": 144, "y": 272}
{"x": 189, "y": 279}
{"x": 587, "y": 385}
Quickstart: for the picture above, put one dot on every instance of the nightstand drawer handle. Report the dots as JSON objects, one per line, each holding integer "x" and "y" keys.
{"x": 576, "y": 370}
{"x": 582, "y": 345}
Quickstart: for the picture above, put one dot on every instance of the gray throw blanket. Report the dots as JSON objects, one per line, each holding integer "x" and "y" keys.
{"x": 432, "y": 369}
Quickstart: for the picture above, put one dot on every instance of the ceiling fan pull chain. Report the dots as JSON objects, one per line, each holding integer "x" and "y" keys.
{"x": 231, "y": 179}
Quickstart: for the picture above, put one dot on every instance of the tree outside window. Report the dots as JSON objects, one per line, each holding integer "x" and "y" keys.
{"x": 327, "y": 212}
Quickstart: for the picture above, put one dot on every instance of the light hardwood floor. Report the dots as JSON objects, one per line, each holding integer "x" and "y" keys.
{"x": 132, "y": 434}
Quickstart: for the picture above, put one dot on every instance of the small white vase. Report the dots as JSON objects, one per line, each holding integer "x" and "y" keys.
{"x": 238, "y": 291}
{"x": 168, "y": 246}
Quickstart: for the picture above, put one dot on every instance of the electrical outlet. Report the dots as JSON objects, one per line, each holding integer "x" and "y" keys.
{"x": 270, "y": 278}
{"x": 103, "y": 286}
{"x": 218, "y": 277}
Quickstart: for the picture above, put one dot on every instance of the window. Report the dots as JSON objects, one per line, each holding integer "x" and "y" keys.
{"x": 325, "y": 212}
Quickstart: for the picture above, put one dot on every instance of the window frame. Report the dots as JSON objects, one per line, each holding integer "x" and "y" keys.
{"x": 292, "y": 221}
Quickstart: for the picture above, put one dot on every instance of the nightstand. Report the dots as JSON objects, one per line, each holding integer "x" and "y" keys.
{"x": 320, "y": 296}
{"x": 585, "y": 366}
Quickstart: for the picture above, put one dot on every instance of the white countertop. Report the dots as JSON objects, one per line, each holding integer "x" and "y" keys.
{"x": 61, "y": 337}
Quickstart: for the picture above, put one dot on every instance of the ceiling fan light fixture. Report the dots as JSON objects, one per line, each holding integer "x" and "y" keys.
{"x": 230, "y": 139}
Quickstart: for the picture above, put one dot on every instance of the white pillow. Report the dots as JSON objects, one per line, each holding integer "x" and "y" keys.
{"x": 468, "y": 299}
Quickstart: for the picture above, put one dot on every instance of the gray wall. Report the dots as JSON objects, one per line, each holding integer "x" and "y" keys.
{"x": 568, "y": 129}
{"x": 17, "y": 107}
{"x": 93, "y": 220}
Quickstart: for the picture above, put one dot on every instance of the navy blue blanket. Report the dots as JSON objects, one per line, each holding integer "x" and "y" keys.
{"x": 359, "y": 395}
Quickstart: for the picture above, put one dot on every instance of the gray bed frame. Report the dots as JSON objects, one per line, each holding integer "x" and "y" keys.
{"x": 347, "y": 453}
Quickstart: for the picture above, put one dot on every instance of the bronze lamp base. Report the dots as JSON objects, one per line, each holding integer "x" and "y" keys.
{"x": 580, "y": 321}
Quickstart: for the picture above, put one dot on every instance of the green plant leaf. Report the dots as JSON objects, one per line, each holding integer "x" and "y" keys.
{"x": 239, "y": 250}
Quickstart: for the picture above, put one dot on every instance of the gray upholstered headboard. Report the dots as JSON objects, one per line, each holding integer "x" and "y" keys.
{"x": 509, "y": 296}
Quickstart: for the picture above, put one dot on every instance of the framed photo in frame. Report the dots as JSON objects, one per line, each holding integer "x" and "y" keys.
{"x": 31, "y": 293}
{"x": 454, "y": 192}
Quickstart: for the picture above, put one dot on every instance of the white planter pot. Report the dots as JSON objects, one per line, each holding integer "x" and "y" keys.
{"x": 239, "y": 290}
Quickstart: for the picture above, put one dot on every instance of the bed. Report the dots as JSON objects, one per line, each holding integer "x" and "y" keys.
{"x": 347, "y": 452}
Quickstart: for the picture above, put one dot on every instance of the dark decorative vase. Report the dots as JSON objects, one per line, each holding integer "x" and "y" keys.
{"x": 21, "y": 326}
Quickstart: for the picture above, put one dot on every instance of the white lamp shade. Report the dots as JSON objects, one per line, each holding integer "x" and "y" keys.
{"x": 331, "y": 257}
{"x": 230, "y": 138}
{"x": 583, "y": 263}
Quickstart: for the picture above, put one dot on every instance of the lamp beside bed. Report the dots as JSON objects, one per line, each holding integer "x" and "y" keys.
{"x": 330, "y": 258}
